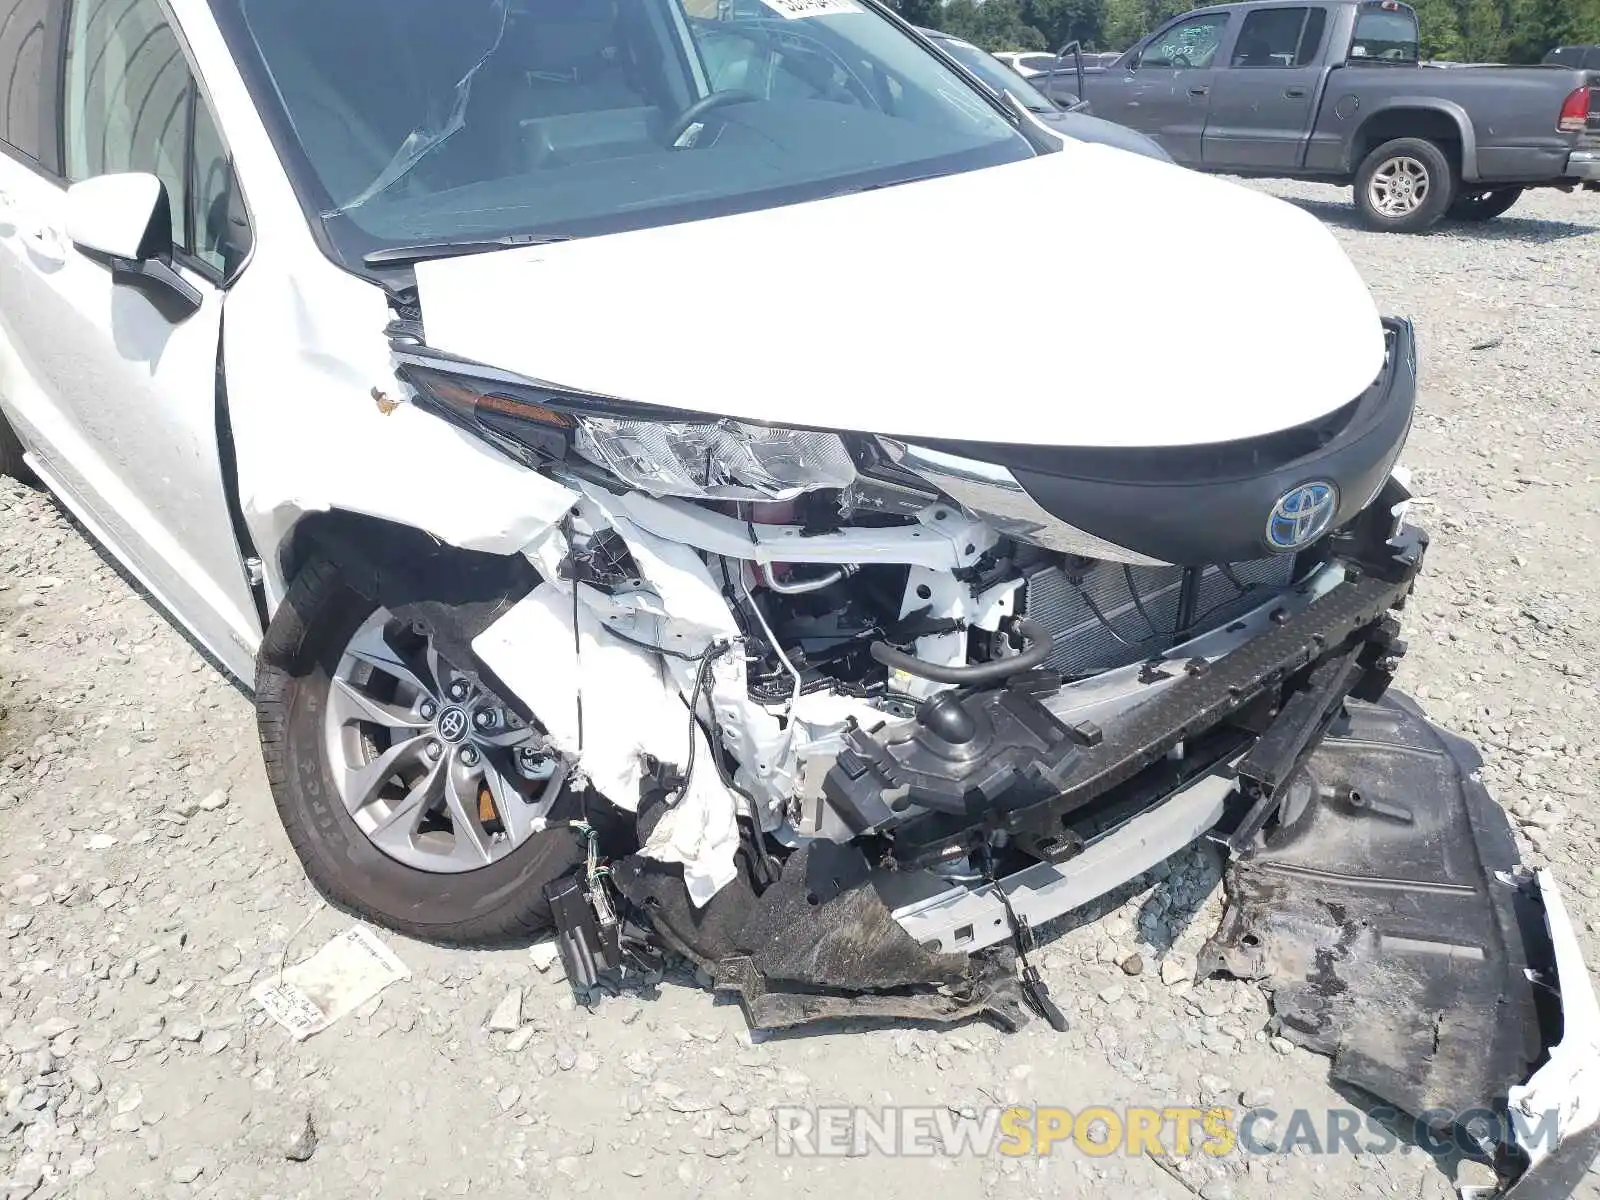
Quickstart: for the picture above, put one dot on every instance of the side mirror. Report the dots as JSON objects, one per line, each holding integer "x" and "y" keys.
{"x": 120, "y": 216}
{"x": 125, "y": 221}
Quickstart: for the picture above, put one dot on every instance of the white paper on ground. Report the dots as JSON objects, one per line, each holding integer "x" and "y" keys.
{"x": 343, "y": 975}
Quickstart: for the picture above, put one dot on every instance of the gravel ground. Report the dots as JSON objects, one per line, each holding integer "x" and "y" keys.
{"x": 145, "y": 883}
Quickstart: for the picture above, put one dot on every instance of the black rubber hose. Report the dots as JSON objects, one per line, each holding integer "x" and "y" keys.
{"x": 1039, "y": 646}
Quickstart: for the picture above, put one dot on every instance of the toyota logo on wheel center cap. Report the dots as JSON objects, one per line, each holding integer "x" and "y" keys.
{"x": 453, "y": 724}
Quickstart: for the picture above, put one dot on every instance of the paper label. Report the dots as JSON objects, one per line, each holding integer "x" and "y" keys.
{"x": 346, "y": 973}
{"x": 797, "y": 9}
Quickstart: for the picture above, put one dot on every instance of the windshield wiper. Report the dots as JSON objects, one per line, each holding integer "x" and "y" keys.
{"x": 392, "y": 256}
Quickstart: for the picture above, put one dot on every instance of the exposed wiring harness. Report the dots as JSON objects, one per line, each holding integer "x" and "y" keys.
{"x": 641, "y": 644}
{"x": 765, "y": 865}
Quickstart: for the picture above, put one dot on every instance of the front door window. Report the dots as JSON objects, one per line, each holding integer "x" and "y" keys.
{"x": 132, "y": 105}
{"x": 1191, "y": 43}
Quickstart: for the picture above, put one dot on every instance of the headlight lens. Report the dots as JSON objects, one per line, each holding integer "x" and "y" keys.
{"x": 701, "y": 460}
{"x": 720, "y": 460}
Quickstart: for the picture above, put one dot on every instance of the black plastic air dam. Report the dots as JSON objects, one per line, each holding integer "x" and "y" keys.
{"x": 1196, "y": 505}
{"x": 1399, "y": 935}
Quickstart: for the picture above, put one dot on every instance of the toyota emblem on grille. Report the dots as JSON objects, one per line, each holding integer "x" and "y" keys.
{"x": 453, "y": 724}
{"x": 1302, "y": 515}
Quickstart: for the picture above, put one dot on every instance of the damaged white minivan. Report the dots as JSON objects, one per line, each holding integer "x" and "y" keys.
{"x": 553, "y": 411}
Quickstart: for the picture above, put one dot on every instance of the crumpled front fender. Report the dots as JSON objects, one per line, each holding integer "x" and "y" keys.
{"x": 320, "y": 424}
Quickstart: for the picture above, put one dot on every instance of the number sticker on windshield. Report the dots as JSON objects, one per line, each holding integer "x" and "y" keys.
{"x": 795, "y": 9}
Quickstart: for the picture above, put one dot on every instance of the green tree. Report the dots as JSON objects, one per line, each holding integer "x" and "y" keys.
{"x": 1483, "y": 25}
{"x": 919, "y": 12}
{"x": 1437, "y": 25}
{"x": 1129, "y": 20}
{"x": 1536, "y": 26}
{"x": 992, "y": 24}
{"x": 1062, "y": 21}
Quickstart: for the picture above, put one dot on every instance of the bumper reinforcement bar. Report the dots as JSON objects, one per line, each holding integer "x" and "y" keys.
{"x": 1349, "y": 620}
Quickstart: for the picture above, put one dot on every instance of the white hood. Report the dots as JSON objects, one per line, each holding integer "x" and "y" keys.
{"x": 1084, "y": 298}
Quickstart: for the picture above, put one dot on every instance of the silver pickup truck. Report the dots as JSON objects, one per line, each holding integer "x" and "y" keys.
{"x": 1333, "y": 91}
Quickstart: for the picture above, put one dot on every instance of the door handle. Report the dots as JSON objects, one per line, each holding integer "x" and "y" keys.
{"x": 1295, "y": 93}
{"x": 1199, "y": 89}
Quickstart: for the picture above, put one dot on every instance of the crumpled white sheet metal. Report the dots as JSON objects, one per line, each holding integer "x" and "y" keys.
{"x": 320, "y": 429}
{"x": 607, "y": 704}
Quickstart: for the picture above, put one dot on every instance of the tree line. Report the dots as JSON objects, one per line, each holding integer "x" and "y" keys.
{"x": 1516, "y": 31}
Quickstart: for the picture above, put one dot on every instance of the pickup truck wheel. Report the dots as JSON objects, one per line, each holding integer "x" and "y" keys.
{"x": 1404, "y": 186}
{"x": 1484, "y": 205}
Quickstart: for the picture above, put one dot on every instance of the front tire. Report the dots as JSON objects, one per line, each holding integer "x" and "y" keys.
{"x": 369, "y": 769}
{"x": 1404, "y": 186}
{"x": 1484, "y": 204}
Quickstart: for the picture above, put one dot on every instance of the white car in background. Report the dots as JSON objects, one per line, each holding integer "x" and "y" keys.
{"x": 1033, "y": 63}
{"x": 1028, "y": 63}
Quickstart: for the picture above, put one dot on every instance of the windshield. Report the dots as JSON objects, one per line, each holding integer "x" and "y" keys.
{"x": 996, "y": 74}
{"x": 424, "y": 121}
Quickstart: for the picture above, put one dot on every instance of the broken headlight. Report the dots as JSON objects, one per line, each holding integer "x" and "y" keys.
{"x": 717, "y": 460}
{"x": 514, "y": 420}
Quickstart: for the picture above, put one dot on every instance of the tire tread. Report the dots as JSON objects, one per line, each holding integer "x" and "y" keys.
{"x": 1445, "y": 185}
{"x": 518, "y": 920}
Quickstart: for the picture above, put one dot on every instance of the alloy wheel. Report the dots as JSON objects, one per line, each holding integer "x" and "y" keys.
{"x": 431, "y": 766}
{"x": 1399, "y": 187}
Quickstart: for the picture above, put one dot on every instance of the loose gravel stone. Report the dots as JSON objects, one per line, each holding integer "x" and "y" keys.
{"x": 301, "y": 1143}
{"x": 1173, "y": 972}
{"x": 507, "y": 1014}
{"x": 212, "y": 801}
{"x": 84, "y": 1079}
{"x": 189, "y": 1171}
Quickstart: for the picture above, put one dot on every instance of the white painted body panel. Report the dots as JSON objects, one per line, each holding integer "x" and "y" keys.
{"x": 836, "y": 314}
{"x": 606, "y": 706}
{"x": 117, "y": 405}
